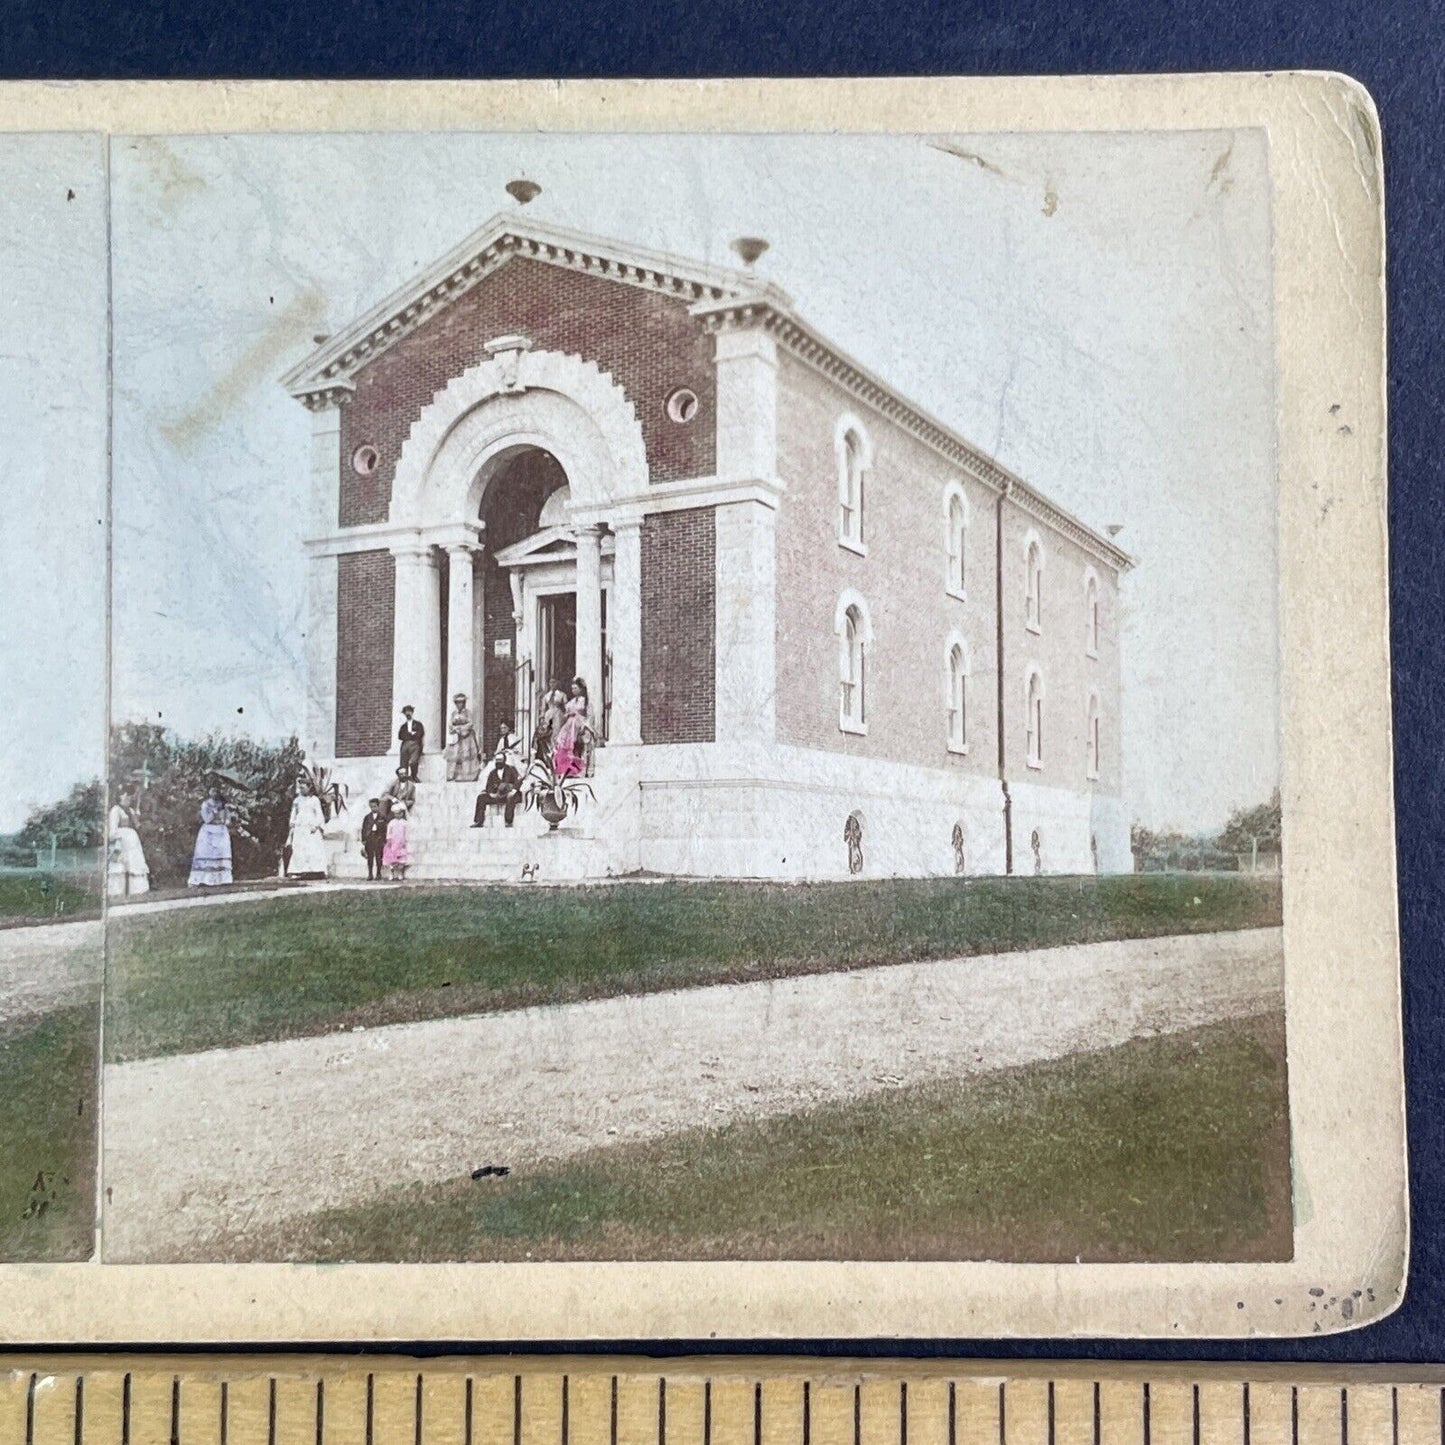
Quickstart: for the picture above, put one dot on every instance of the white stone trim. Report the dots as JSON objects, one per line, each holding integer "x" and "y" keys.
{"x": 504, "y": 236}
{"x": 500, "y": 403}
{"x": 745, "y": 624}
{"x": 830, "y": 361}
{"x": 322, "y": 583}
{"x": 685, "y": 495}
{"x": 746, "y": 364}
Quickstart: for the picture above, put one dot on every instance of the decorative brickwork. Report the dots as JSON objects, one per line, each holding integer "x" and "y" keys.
{"x": 648, "y": 343}
{"x": 679, "y": 626}
{"x": 365, "y": 603}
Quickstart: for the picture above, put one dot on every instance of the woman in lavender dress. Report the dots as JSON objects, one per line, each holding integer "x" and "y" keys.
{"x": 211, "y": 861}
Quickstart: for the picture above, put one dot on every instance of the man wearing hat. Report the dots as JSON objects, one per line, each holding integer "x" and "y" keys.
{"x": 400, "y": 792}
{"x": 412, "y": 735}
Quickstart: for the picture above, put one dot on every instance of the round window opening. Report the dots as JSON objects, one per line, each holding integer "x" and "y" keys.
{"x": 682, "y": 405}
{"x": 364, "y": 460}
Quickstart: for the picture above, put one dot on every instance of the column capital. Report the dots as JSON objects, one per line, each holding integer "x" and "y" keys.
{"x": 411, "y": 549}
{"x": 460, "y": 537}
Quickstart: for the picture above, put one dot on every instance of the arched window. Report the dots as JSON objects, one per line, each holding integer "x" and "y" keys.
{"x": 957, "y": 696}
{"x": 855, "y": 461}
{"x": 1091, "y": 613}
{"x": 855, "y": 633}
{"x": 1034, "y": 600}
{"x": 955, "y": 524}
{"x": 1034, "y": 719}
{"x": 1092, "y": 736}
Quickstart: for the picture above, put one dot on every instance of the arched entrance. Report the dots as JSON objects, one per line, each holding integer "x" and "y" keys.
{"x": 518, "y": 557}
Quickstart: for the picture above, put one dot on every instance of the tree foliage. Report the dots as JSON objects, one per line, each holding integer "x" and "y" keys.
{"x": 77, "y": 821}
{"x": 168, "y": 777}
{"x": 1166, "y": 849}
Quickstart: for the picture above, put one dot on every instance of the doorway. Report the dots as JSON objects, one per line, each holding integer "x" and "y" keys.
{"x": 556, "y": 640}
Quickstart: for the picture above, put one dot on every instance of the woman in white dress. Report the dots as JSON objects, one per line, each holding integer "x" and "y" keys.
{"x": 306, "y": 841}
{"x": 126, "y": 872}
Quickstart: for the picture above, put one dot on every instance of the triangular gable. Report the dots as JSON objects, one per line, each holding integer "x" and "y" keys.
{"x": 336, "y": 360}
{"x": 550, "y": 544}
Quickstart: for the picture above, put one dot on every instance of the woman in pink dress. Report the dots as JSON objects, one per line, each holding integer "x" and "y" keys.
{"x": 575, "y": 736}
{"x": 395, "y": 854}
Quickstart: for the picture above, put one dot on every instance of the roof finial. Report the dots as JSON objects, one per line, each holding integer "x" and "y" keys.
{"x": 749, "y": 248}
{"x": 522, "y": 190}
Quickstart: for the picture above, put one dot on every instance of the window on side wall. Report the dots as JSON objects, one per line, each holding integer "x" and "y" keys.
{"x": 1034, "y": 599}
{"x": 854, "y": 463}
{"x": 1091, "y": 615}
{"x": 854, "y": 636}
{"x": 1034, "y": 719}
{"x": 1092, "y": 737}
{"x": 957, "y": 681}
{"x": 956, "y": 541}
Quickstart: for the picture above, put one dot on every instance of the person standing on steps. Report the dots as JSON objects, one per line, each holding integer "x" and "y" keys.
{"x": 396, "y": 855}
{"x": 412, "y": 736}
{"x": 373, "y": 839}
{"x": 464, "y": 756}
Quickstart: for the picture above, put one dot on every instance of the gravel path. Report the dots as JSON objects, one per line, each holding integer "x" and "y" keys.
{"x": 202, "y": 1144}
{"x": 48, "y": 967}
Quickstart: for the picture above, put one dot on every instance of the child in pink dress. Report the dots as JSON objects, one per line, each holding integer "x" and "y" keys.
{"x": 396, "y": 855}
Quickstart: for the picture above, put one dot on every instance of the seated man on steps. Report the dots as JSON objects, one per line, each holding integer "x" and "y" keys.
{"x": 401, "y": 790}
{"x": 503, "y": 789}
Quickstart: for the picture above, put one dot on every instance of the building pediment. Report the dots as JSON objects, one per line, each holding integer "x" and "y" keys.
{"x": 328, "y": 370}
{"x": 552, "y": 544}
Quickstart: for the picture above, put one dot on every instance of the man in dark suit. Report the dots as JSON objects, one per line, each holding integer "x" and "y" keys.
{"x": 373, "y": 838}
{"x": 503, "y": 790}
{"x": 401, "y": 790}
{"x": 412, "y": 735}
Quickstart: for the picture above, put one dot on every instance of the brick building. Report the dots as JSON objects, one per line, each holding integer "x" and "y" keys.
{"x": 805, "y": 609}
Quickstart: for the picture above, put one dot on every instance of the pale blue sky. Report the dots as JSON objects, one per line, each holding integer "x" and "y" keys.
{"x": 1092, "y": 309}
{"x": 52, "y": 467}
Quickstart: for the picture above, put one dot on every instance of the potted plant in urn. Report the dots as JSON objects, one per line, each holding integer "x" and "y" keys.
{"x": 552, "y": 794}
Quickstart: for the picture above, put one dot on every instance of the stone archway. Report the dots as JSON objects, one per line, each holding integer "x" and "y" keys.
{"x": 518, "y": 398}
{"x": 558, "y": 402}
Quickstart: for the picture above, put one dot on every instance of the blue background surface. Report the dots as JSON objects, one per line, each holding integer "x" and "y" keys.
{"x": 1394, "y": 48}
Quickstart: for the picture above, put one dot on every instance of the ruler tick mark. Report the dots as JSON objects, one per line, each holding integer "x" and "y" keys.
{"x": 271, "y": 1412}
{"x": 30, "y": 1410}
{"x": 467, "y": 1411}
{"x": 125, "y": 1411}
{"x": 320, "y": 1411}
{"x": 175, "y": 1410}
{"x": 516, "y": 1410}
{"x": 79, "y": 1409}
{"x": 225, "y": 1411}
{"x": 417, "y": 1410}
{"x": 566, "y": 1405}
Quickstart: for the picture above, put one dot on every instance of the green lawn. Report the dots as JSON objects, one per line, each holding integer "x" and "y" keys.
{"x": 193, "y": 979}
{"x": 47, "y": 1155}
{"x": 48, "y": 897}
{"x": 1172, "y": 1148}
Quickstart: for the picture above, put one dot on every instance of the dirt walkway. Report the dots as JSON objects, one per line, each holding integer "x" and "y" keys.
{"x": 204, "y": 1143}
{"x": 48, "y": 967}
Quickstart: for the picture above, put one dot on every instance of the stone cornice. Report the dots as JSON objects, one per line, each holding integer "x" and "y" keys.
{"x": 760, "y": 312}
{"x": 503, "y": 237}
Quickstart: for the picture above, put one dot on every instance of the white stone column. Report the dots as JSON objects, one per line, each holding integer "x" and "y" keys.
{"x": 321, "y": 598}
{"x": 461, "y": 614}
{"x": 747, "y": 405}
{"x": 325, "y": 469}
{"x": 321, "y": 583}
{"x": 624, "y": 631}
{"x": 589, "y": 614}
{"x": 746, "y": 629}
{"x": 416, "y": 642}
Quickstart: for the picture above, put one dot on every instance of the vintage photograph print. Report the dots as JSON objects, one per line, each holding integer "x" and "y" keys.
{"x": 675, "y": 697}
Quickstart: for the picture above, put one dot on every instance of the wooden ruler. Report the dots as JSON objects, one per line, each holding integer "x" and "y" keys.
{"x": 503, "y": 1400}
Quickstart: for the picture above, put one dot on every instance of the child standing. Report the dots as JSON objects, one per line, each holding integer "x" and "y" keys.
{"x": 373, "y": 838}
{"x": 396, "y": 855}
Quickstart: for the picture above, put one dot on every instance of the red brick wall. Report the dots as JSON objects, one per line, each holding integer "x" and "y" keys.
{"x": 679, "y": 625}
{"x": 365, "y": 610}
{"x": 647, "y": 341}
{"x": 903, "y": 579}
